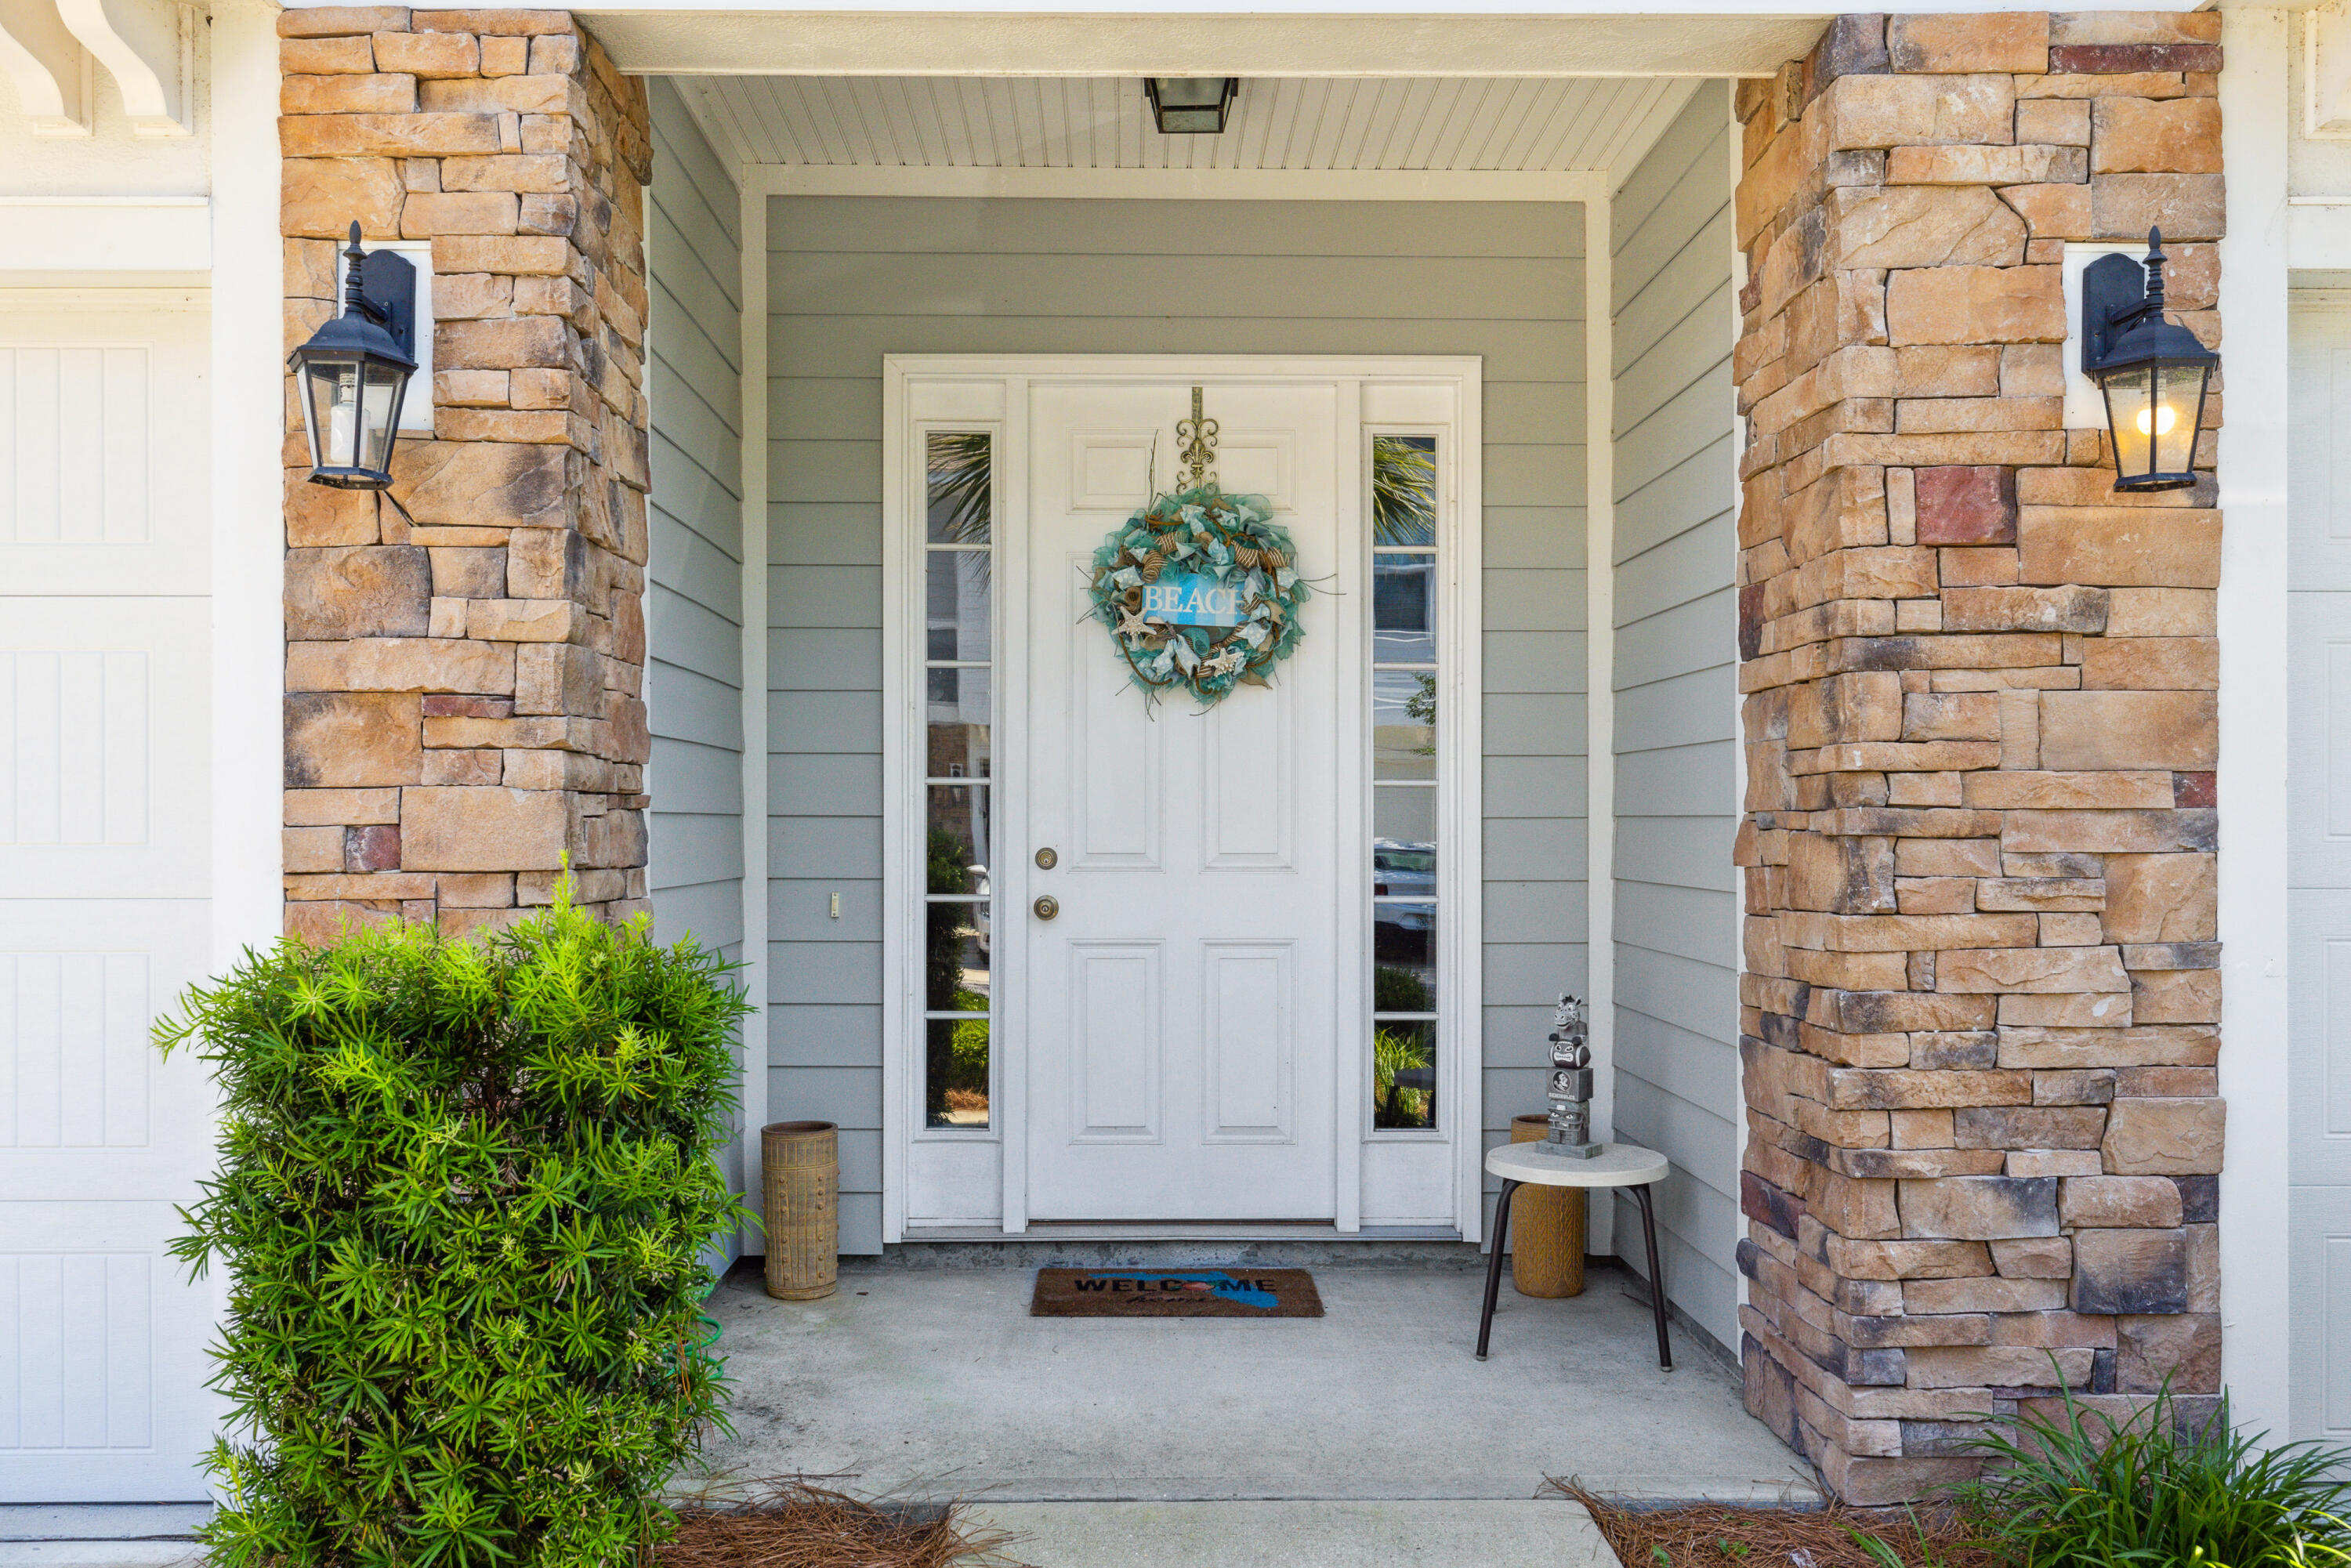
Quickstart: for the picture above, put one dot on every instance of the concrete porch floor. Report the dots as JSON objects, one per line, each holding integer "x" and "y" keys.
{"x": 928, "y": 1383}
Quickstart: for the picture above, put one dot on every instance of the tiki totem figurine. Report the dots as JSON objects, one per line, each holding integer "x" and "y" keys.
{"x": 1571, "y": 1084}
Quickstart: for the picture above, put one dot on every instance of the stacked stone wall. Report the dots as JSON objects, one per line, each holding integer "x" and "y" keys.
{"x": 1981, "y": 997}
{"x": 464, "y": 679}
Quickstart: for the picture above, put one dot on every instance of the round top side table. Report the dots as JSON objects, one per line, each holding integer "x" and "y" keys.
{"x": 1616, "y": 1165}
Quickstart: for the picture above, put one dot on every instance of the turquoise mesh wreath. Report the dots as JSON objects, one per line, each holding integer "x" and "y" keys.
{"x": 1200, "y": 553}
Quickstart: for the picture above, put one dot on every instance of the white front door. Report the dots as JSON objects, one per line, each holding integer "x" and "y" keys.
{"x": 104, "y": 835}
{"x": 1184, "y": 1004}
{"x": 1256, "y": 997}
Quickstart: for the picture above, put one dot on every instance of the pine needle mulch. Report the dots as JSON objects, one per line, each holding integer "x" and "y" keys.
{"x": 794, "y": 1524}
{"x": 1716, "y": 1535}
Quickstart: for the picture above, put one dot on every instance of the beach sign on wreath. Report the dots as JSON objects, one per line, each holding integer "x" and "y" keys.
{"x": 1193, "y": 599}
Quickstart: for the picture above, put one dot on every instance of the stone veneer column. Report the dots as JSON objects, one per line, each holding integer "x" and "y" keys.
{"x": 1981, "y": 999}
{"x": 464, "y": 686}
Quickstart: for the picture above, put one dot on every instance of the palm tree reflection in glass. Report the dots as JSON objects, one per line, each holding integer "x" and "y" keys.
{"x": 1403, "y": 488}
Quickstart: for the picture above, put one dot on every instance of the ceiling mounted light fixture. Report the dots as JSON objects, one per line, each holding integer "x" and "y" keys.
{"x": 1191, "y": 106}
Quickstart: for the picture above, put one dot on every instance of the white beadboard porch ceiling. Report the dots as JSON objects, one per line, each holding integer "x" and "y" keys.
{"x": 1528, "y": 124}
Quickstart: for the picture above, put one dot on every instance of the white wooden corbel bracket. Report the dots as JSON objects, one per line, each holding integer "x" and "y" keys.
{"x": 50, "y": 71}
{"x": 148, "y": 47}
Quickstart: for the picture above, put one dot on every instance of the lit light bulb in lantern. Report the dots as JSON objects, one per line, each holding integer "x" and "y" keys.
{"x": 342, "y": 414}
{"x": 2157, "y": 422}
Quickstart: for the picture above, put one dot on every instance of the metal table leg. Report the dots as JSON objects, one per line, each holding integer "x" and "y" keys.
{"x": 1656, "y": 1280}
{"x": 1494, "y": 1265}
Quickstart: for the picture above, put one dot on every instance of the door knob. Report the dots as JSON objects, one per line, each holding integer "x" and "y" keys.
{"x": 1047, "y": 860}
{"x": 1047, "y": 907}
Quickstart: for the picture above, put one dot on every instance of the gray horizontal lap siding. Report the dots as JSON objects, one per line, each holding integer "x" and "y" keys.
{"x": 853, "y": 278}
{"x": 693, "y": 614}
{"x": 693, "y": 611}
{"x": 1675, "y": 559}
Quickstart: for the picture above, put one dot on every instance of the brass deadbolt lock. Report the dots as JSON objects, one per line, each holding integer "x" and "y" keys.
{"x": 1047, "y": 907}
{"x": 1047, "y": 860}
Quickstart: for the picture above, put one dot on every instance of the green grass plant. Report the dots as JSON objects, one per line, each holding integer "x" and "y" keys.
{"x": 465, "y": 1202}
{"x": 2083, "y": 1490}
{"x": 1924, "y": 1552}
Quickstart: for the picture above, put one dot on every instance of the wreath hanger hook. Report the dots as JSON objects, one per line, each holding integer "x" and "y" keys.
{"x": 1196, "y": 444}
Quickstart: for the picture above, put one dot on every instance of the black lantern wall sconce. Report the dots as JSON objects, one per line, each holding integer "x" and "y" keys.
{"x": 2152, "y": 372}
{"x": 353, "y": 372}
{"x": 1191, "y": 106}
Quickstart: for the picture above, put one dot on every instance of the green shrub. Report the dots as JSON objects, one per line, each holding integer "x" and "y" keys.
{"x": 464, "y": 1197}
{"x": 2147, "y": 1492}
{"x": 967, "y": 1061}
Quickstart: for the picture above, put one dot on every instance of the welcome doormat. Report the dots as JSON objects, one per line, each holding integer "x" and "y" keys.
{"x": 1174, "y": 1294}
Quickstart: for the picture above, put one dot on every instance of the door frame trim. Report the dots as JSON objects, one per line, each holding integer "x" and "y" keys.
{"x": 991, "y": 392}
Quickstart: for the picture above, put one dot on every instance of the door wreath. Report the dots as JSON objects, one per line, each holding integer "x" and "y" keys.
{"x": 1200, "y": 590}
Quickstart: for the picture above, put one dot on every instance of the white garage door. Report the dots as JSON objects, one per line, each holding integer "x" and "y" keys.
{"x": 104, "y": 826}
{"x": 2319, "y": 911}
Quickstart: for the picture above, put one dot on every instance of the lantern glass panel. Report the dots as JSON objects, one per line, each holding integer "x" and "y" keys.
{"x": 2132, "y": 416}
{"x": 1189, "y": 105}
{"x": 332, "y": 391}
{"x": 1188, "y": 121}
{"x": 379, "y": 414}
{"x": 2179, "y": 404}
{"x": 1191, "y": 92}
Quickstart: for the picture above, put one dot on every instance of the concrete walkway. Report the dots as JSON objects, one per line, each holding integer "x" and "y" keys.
{"x": 934, "y": 1383}
{"x": 1369, "y": 1435}
{"x": 1520, "y": 1534}
{"x": 100, "y": 1534}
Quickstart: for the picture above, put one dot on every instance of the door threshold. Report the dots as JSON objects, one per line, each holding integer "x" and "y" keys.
{"x": 1179, "y": 1230}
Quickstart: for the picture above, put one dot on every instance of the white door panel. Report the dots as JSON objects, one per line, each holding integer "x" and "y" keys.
{"x": 2318, "y": 1231}
{"x": 88, "y": 1109}
{"x": 2319, "y": 1105}
{"x": 104, "y": 429}
{"x": 1186, "y": 1021}
{"x": 105, "y": 720}
{"x": 102, "y": 1383}
{"x": 105, "y": 833}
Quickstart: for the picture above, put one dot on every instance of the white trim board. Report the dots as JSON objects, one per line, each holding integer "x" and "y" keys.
{"x": 756, "y": 864}
{"x": 991, "y": 393}
{"x": 1735, "y": 148}
{"x": 1600, "y": 690}
{"x": 114, "y": 234}
{"x": 2254, "y": 465}
{"x": 248, "y": 487}
{"x": 688, "y": 38}
{"x": 69, "y": 297}
{"x": 1590, "y": 186}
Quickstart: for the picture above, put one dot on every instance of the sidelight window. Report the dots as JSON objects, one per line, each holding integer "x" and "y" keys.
{"x": 1404, "y": 840}
{"x": 959, "y": 839}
